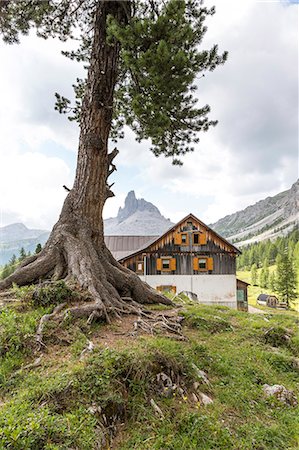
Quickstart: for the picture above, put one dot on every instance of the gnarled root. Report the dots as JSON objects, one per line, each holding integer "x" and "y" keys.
{"x": 74, "y": 257}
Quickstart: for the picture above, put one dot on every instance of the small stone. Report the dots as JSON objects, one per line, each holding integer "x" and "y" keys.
{"x": 201, "y": 374}
{"x": 94, "y": 408}
{"x": 196, "y": 385}
{"x": 194, "y": 398}
{"x": 296, "y": 363}
{"x": 204, "y": 399}
{"x": 281, "y": 393}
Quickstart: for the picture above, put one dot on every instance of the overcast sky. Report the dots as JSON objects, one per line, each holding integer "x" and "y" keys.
{"x": 251, "y": 154}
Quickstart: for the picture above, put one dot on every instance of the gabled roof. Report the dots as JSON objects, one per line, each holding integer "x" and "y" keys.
{"x": 173, "y": 227}
{"x": 263, "y": 297}
{"x": 243, "y": 282}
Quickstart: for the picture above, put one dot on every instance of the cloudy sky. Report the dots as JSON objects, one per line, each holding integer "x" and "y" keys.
{"x": 251, "y": 154}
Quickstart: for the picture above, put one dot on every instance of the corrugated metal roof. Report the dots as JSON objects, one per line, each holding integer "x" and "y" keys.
{"x": 122, "y": 246}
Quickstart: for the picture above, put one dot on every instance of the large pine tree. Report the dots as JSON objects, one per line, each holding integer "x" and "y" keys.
{"x": 286, "y": 280}
{"x": 143, "y": 58}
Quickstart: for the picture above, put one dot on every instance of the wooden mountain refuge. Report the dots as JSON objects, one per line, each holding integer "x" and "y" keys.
{"x": 271, "y": 301}
{"x": 189, "y": 247}
{"x": 191, "y": 257}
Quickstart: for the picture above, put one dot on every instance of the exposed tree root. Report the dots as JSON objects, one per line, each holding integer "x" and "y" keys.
{"x": 74, "y": 254}
{"x": 45, "y": 319}
{"x": 160, "y": 324}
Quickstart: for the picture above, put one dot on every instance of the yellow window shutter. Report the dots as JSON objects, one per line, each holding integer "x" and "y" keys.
{"x": 177, "y": 239}
{"x": 159, "y": 264}
{"x": 210, "y": 264}
{"x": 173, "y": 264}
{"x": 195, "y": 263}
{"x": 203, "y": 239}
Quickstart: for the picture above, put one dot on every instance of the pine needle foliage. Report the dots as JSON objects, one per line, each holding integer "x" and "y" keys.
{"x": 160, "y": 62}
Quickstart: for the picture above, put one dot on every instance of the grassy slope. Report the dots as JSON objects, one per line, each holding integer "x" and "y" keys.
{"x": 49, "y": 407}
{"x": 254, "y": 291}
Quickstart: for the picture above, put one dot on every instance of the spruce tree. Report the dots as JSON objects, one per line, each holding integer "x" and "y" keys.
{"x": 286, "y": 282}
{"x": 143, "y": 60}
{"x": 13, "y": 260}
{"x": 22, "y": 254}
{"x": 38, "y": 249}
{"x": 254, "y": 274}
{"x": 272, "y": 281}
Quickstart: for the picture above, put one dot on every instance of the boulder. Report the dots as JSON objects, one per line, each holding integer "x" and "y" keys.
{"x": 281, "y": 393}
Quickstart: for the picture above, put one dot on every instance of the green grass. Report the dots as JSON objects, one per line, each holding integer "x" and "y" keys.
{"x": 86, "y": 403}
{"x": 255, "y": 291}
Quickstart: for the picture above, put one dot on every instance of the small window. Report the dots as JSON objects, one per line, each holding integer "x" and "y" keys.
{"x": 165, "y": 263}
{"x": 184, "y": 238}
{"x": 196, "y": 238}
{"x": 202, "y": 263}
{"x": 139, "y": 266}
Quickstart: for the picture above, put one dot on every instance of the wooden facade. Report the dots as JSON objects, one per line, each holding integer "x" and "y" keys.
{"x": 188, "y": 248}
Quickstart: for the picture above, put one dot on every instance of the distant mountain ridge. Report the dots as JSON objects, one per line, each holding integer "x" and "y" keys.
{"x": 15, "y": 236}
{"x": 138, "y": 217}
{"x": 267, "y": 219}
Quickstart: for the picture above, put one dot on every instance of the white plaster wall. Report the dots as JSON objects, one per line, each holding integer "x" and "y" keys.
{"x": 210, "y": 289}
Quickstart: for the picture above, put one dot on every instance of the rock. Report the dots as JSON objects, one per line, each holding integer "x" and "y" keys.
{"x": 166, "y": 384}
{"x": 296, "y": 363}
{"x": 201, "y": 375}
{"x": 94, "y": 409}
{"x": 281, "y": 393}
{"x": 156, "y": 408}
{"x": 138, "y": 217}
{"x": 204, "y": 399}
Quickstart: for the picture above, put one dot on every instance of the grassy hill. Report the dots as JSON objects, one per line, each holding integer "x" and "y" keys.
{"x": 254, "y": 291}
{"x": 107, "y": 398}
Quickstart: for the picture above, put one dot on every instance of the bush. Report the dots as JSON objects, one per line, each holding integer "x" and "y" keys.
{"x": 46, "y": 295}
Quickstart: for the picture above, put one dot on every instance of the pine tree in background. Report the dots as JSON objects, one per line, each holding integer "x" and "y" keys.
{"x": 38, "y": 249}
{"x": 22, "y": 254}
{"x": 286, "y": 282}
{"x": 264, "y": 275}
{"x": 13, "y": 260}
{"x": 272, "y": 281}
{"x": 253, "y": 274}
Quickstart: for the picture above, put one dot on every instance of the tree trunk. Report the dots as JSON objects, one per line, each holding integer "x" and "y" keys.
{"x": 75, "y": 250}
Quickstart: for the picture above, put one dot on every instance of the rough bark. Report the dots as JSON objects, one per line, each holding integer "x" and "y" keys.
{"x": 75, "y": 250}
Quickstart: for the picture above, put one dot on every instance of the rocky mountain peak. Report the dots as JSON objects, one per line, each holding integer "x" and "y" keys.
{"x": 133, "y": 205}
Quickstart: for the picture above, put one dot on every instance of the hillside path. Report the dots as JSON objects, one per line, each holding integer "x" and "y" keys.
{"x": 253, "y": 310}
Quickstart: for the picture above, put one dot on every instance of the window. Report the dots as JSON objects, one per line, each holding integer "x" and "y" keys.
{"x": 202, "y": 263}
{"x": 184, "y": 239}
{"x": 196, "y": 238}
{"x": 165, "y": 263}
{"x": 139, "y": 267}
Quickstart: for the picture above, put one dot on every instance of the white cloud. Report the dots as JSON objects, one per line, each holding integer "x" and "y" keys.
{"x": 250, "y": 154}
{"x": 31, "y": 188}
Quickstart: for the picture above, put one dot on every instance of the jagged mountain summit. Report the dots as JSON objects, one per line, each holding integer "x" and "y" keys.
{"x": 266, "y": 219}
{"x": 138, "y": 217}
